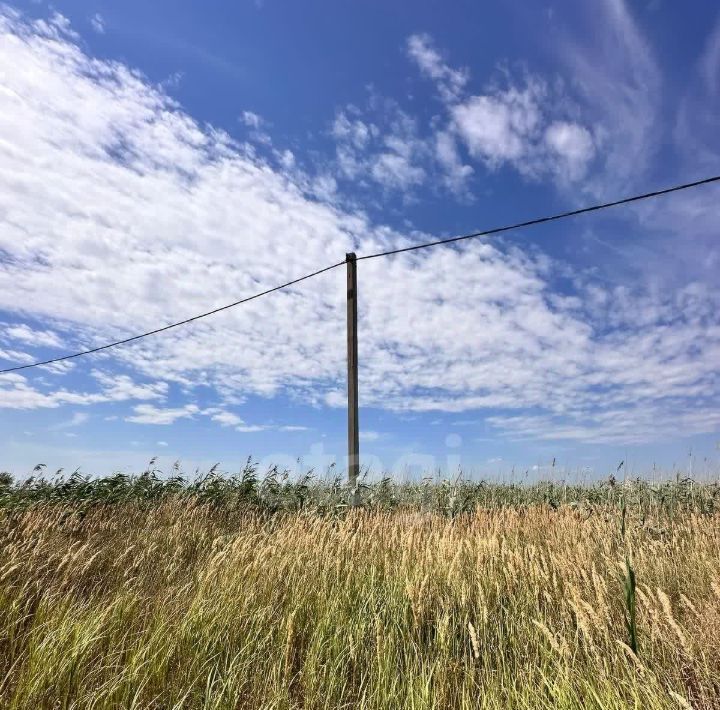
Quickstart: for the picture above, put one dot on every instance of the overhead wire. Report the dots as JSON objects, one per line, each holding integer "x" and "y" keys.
{"x": 172, "y": 325}
{"x": 543, "y": 220}
{"x": 390, "y": 252}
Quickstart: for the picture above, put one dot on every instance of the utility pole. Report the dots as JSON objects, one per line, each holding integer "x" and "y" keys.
{"x": 352, "y": 364}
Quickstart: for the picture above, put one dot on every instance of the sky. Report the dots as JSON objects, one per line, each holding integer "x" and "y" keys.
{"x": 158, "y": 160}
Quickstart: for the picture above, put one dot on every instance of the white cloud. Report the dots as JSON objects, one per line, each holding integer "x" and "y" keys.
{"x": 257, "y": 133}
{"x": 514, "y": 126}
{"x": 229, "y": 419}
{"x": 354, "y": 131}
{"x": 250, "y": 428}
{"x": 119, "y": 388}
{"x": 77, "y": 419}
{"x": 18, "y": 392}
{"x": 395, "y": 170}
{"x": 223, "y": 417}
{"x": 98, "y": 23}
{"x": 57, "y": 368}
{"x": 16, "y": 357}
{"x": 172, "y": 81}
{"x": 450, "y": 81}
{"x": 251, "y": 119}
{"x": 150, "y": 414}
{"x": 161, "y": 443}
{"x": 573, "y": 145}
{"x": 40, "y": 338}
{"x": 456, "y": 173}
{"x": 497, "y": 128}
{"x": 104, "y": 175}
{"x": 525, "y": 125}
{"x": 141, "y": 229}
{"x": 389, "y": 154}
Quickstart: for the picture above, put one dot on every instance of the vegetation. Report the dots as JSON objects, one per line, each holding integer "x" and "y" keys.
{"x": 275, "y": 490}
{"x": 263, "y": 592}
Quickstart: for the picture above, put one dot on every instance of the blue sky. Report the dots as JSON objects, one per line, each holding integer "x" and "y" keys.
{"x": 161, "y": 159}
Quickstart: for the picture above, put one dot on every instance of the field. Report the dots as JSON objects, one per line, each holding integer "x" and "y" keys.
{"x": 244, "y": 593}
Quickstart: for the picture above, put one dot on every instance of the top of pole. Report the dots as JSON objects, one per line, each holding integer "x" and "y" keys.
{"x": 350, "y": 256}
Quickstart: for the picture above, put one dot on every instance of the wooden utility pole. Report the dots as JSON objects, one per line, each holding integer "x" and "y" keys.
{"x": 352, "y": 363}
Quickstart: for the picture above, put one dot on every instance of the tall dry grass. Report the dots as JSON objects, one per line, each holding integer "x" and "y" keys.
{"x": 188, "y": 605}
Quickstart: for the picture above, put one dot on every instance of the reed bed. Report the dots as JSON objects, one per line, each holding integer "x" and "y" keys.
{"x": 190, "y": 602}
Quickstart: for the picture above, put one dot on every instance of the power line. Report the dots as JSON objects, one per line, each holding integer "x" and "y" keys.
{"x": 173, "y": 325}
{"x": 543, "y": 220}
{"x": 484, "y": 233}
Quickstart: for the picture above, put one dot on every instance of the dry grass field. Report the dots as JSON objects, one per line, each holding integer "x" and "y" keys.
{"x": 185, "y": 603}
